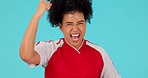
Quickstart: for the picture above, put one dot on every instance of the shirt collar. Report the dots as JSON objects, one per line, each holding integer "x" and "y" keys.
{"x": 81, "y": 46}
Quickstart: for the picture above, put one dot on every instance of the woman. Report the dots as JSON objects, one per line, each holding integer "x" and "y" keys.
{"x": 71, "y": 56}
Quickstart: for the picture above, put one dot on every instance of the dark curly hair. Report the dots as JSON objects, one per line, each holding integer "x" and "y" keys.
{"x": 61, "y": 7}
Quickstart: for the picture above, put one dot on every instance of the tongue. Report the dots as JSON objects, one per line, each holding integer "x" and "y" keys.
{"x": 75, "y": 38}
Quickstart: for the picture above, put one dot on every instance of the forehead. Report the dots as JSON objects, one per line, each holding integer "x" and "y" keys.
{"x": 73, "y": 17}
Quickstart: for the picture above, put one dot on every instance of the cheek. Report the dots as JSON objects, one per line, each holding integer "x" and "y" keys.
{"x": 83, "y": 29}
{"x": 66, "y": 31}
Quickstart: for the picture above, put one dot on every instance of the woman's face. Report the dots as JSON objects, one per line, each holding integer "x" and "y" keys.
{"x": 73, "y": 27}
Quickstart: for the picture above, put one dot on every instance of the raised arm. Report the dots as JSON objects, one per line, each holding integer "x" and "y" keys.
{"x": 27, "y": 52}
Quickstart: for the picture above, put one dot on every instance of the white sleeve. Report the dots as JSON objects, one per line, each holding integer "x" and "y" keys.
{"x": 109, "y": 70}
{"x": 45, "y": 51}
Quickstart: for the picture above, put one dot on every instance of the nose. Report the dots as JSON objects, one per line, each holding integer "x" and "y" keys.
{"x": 75, "y": 28}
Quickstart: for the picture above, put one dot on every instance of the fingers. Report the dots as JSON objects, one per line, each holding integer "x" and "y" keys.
{"x": 42, "y": 7}
{"x": 47, "y": 5}
{"x": 41, "y": 0}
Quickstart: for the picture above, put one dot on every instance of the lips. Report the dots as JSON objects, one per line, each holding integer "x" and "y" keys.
{"x": 75, "y": 37}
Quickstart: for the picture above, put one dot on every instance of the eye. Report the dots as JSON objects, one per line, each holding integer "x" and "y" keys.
{"x": 80, "y": 23}
{"x": 68, "y": 24}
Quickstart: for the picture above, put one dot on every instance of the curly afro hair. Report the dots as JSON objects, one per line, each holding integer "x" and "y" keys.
{"x": 61, "y": 7}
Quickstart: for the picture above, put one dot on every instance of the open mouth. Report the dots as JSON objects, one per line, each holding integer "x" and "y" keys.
{"x": 75, "y": 37}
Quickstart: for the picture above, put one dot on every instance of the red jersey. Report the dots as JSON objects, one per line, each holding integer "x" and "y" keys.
{"x": 61, "y": 60}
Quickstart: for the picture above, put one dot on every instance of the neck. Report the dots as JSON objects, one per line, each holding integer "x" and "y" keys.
{"x": 75, "y": 46}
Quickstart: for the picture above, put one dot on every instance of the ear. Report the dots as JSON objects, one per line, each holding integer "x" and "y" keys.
{"x": 60, "y": 26}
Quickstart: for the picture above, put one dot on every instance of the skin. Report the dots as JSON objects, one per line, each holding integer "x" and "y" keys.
{"x": 27, "y": 52}
{"x": 73, "y": 23}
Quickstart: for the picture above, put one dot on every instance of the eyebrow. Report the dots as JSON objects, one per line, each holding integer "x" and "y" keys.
{"x": 68, "y": 22}
{"x": 80, "y": 21}
{"x": 72, "y": 22}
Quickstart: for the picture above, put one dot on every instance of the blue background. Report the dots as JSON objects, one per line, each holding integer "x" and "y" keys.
{"x": 119, "y": 26}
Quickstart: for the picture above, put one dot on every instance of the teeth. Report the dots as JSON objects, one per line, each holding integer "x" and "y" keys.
{"x": 75, "y": 35}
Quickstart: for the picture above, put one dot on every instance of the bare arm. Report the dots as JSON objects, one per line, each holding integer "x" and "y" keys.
{"x": 27, "y": 52}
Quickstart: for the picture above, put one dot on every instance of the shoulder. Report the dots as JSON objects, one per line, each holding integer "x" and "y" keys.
{"x": 57, "y": 43}
{"x": 95, "y": 46}
{"x": 98, "y": 48}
